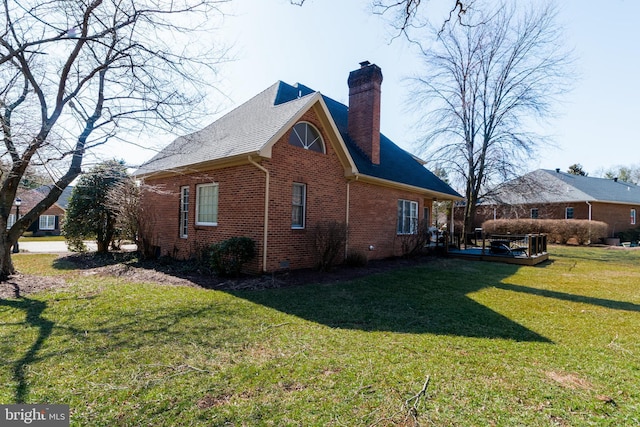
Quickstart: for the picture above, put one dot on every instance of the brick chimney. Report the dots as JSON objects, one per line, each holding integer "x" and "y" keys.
{"x": 364, "y": 109}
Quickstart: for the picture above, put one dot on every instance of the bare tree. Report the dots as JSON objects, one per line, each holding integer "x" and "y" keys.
{"x": 406, "y": 12}
{"x": 482, "y": 87}
{"x": 75, "y": 74}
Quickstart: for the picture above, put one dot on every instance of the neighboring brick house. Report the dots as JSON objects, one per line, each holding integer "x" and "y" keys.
{"x": 548, "y": 194}
{"x": 283, "y": 162}
{"x": 50, "y": 221}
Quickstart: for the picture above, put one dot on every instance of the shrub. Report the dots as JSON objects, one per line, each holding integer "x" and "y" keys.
{"x": 229, "y": 256}
{"x": 356, "y": 258}
{"x": 557, "y": 230}
{"x": 329, "y": 238}
{"x": 413, "y": 244}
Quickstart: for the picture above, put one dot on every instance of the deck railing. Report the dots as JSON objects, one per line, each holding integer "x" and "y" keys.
{"x": 528, "y": 245}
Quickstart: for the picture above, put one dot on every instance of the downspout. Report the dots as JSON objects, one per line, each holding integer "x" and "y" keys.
{"x": 346, "y": 242}
{"x": 266, "y": 214}
{"x": 589, "y": 204}
{"x": 452, "y": 229}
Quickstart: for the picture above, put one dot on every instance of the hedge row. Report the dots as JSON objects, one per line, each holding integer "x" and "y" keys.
{"x": 559, "y": 231}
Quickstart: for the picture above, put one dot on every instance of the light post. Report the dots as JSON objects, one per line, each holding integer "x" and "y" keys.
{"x": 17, "y": 203}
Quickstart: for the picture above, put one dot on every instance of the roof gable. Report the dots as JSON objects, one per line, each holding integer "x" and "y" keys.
{"x": 243, "y": 131}
{"x": 253, "y": 128}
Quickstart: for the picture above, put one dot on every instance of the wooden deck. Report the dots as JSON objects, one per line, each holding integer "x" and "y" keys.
{"x": 476, "y": 254}
{"x": 525, "y": 249}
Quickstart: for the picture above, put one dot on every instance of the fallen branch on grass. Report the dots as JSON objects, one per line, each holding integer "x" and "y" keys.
{"x": 412, "y": 410}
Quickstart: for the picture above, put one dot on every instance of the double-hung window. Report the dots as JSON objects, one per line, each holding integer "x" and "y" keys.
{"x": 298, "y": 205}
{"x": 407, "y": 217}
{"x": 207, "y": 204}
{"x": 47, "y": 222}
{"x": 534, "y": 213}
{"x": 184, "y": 212}
{"x": 633, "y": 217}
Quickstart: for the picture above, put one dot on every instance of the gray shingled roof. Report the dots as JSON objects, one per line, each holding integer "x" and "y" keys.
{"x": 243, "y": 131}
{"x": 549, "y": 186}
{"x": 254, "y": 125}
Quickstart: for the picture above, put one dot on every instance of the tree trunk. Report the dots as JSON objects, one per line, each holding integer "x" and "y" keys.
{"x": 6, "y": 264}
{"x": 103, "y": 246}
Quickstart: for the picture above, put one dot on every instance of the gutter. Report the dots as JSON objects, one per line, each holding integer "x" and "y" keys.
{"x": 266, "y": 213}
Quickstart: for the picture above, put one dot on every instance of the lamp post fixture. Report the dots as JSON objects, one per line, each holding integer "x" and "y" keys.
{"x": 17, "y": 203}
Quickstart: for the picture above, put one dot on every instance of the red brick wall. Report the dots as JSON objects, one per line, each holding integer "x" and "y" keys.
{"x": 373, "y": 219}
{"x": 373, "y": 209}
{"x": 323, "y": 175}
{"x": 617, "y": 216}
{"x": 240, "y": 209}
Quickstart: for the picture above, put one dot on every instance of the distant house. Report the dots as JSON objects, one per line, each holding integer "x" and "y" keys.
{"x": 283, "y": 162}
{"x": 549, "y": 194}
{"x": 50, "y": 221}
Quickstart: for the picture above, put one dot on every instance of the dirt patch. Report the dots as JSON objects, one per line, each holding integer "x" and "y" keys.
{"x": 569, "y": 380}
{"x": 177, "y": 273}
{"x": 20, "y": 285}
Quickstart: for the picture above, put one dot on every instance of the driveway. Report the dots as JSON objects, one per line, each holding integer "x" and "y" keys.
{"x": 60, "y": 247}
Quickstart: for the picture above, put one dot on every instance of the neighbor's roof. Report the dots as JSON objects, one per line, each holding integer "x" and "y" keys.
{"x": 30, "y": 198}
{"x": 550, "y": 186}
{"x": 253, "y": 125}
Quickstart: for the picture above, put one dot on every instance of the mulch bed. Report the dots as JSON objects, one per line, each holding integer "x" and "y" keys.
{"x": 167, "y": 272}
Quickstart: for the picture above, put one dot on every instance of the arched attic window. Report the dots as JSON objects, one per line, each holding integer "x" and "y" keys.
{"x": 305, "y": 135}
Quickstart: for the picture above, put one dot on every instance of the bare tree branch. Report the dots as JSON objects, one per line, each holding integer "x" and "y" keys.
{"x": 75, "y": 74}
{"x": 482, "y": 87}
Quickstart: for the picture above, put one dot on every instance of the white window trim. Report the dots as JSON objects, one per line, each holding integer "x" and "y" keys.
{"x": 184, "y": 212}
{"x": 47, "y": 226}
{"x": 413, "y": 207}
{"x": 303, "y": 206}
{"x": 198, "y": 187}
{"x": 633, "y": 216}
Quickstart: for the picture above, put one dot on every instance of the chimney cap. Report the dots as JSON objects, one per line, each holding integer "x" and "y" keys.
{"x": 557, "y": 170}
{"x": 364, "y": 64}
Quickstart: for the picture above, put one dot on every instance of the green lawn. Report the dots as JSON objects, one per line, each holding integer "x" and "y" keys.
{"x": 42, "y": 239}
{"x": 553, "y": 345}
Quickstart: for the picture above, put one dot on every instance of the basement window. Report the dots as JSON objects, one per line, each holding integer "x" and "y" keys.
{"x": 306, "y": 136}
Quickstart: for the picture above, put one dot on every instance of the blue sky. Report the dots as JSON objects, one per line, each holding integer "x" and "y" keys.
{"x": 319, "y": 43}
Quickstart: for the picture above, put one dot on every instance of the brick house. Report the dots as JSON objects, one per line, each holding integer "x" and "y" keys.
{"x": 50, "y": 221}
{"x": 548, "y": 194}
{"x": 281, "y": 163}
